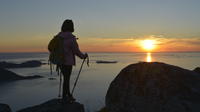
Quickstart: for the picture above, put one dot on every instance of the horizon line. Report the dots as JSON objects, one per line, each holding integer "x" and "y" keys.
{"x": 113, "y": 52}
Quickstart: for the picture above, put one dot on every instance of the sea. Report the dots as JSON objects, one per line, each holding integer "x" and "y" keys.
{"x": 93, "y": 82}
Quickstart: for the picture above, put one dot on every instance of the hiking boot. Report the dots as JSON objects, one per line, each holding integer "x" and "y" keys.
{"x": 71, "y": 98}
{"x": 65, "y": 100}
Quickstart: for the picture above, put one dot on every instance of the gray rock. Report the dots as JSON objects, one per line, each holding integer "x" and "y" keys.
{"x": 154, "y": 87}
{"x": 55, "y": 105}
{"x": 4, "y": 108}
{"x": 6, "y": 75}
{"x": 197, "y": 70}
{"x": 32, "y": 63}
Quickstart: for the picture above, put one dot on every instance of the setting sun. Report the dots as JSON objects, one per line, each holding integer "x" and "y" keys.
{"x": 148, "y": 44}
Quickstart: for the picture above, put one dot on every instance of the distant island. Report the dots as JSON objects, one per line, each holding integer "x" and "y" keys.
{"x": 106, "y": 62}
{"x": 32, "y": 63}
{"x": 7, "y": 76}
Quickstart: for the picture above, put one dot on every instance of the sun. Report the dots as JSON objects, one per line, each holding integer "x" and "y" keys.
{"x": 148, "y": 45}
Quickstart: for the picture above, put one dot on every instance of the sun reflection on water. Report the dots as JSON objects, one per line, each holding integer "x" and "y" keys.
{"x": 148, "y": 57}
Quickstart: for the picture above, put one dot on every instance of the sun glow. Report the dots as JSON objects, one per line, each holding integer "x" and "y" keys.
{"x": 148, "y": 45}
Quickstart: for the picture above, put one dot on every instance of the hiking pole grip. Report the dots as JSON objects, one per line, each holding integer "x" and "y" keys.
{"x": 77, "y": 77}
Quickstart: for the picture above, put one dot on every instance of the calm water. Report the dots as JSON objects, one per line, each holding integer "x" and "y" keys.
{"x": 94, "y": 80}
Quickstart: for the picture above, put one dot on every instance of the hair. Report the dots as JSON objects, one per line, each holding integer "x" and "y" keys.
{"x": 67, "y": 25}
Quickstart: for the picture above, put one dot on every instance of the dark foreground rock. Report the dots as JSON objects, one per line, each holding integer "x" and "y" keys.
{"x": 55, "y": 105}
{"x": 4, "y": 108}
{"x": 33, "y": 63}
{"x": 154, "y": 87}
{"x": 197, "y": 70}
{"x": 6, "y": 75}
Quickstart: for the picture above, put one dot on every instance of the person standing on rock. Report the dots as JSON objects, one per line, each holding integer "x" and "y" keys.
{"x": 71, "y": 49}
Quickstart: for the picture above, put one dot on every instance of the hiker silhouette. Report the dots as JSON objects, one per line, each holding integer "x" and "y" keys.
{"x": 66, "y": 52}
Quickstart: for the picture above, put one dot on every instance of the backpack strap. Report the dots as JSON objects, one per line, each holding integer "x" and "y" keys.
{"x": 51, "y": 68}
{"x": 58, "y": 69}
{"x": 88, "y": 61}
{"x": 50, "y": 64}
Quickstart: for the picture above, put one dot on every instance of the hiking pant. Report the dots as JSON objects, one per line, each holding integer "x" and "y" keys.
{"x": 66, "y": 71}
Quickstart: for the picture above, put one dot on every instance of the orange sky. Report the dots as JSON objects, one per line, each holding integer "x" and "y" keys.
{"x": 86, "y": 44}
{"x": 134, "y": 44}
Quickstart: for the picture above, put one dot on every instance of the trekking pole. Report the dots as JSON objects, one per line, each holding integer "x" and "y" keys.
{"x": 78, "y": 76}
{"x": 60, "y": 84}
{"x": 59, "y": 95}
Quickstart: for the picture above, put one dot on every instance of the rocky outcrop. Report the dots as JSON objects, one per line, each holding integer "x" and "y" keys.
{"x": 154, "y": 87}
{"x": 197, "y": 70}
{"x": 4, "y": 108}
{"x": 55, "y": 105}
{"x": 6, "y": 75}
{"x": 33, "y": 63}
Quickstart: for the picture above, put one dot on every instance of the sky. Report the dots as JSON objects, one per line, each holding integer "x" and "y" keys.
{"x": 101, "y": 25}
